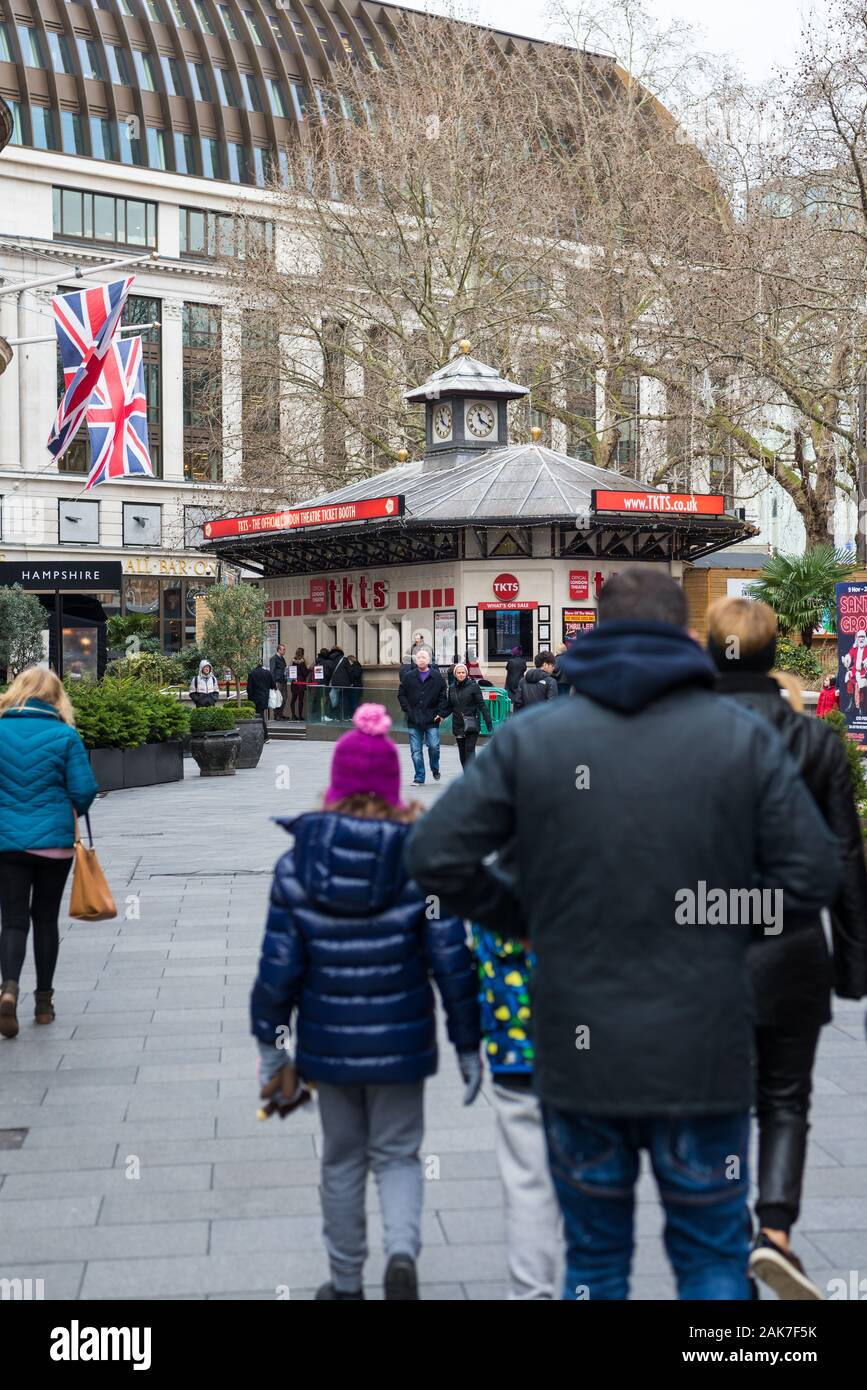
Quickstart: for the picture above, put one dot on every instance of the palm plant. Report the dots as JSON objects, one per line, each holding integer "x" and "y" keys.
{"x": 800, "y": 588}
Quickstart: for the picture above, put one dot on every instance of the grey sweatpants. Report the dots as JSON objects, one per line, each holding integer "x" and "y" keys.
{"x": 534, "y": 1227}
{"x": 363, "y": 1128}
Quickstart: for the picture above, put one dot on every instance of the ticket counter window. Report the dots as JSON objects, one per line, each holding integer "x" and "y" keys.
{"x": 506, "y": 628}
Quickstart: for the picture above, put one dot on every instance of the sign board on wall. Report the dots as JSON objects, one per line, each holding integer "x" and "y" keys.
{"x": 445, "y": 635}
{"x": 68, "y": 575}
{"x": 852, "y": 657}
{"x": 269, "y": 644}
{"x": 522, "y": 604}
{"x": 506, "y": 586}
{"x": 738, "y": 588}
{"x": 301, "y": 517}
{"x": 576, "y": 621}
{"x": 579, "y": 584}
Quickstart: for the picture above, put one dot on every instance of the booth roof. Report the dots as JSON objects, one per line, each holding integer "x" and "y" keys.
{"x": 518, "y": 483}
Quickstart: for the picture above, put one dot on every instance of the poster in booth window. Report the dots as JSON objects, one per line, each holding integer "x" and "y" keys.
{"x": 576, "y": 621}
{"x": 445, "y": 635}
{"x": 852, "y": 657}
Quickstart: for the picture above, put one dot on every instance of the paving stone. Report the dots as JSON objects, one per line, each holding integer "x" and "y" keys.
{"x": 183, "y": 1179}
{"x": 99, "y": 1243}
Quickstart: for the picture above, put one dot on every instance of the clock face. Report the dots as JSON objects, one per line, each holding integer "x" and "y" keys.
{"x": 442, "y": 422}
{"x": 481, "y": 419}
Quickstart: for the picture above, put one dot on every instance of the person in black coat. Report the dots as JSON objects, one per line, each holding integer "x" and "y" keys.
{"x": 538, "y": 685}
{"x": 792, "y": 975}
{"x": 277, "y": 667}
{"x": 620, "y": 808}
{"x": 260, "y": 683}
{"x": 515, "y": 668}
{"x": 422, "y": 697}
{"x": 468, "y": 709}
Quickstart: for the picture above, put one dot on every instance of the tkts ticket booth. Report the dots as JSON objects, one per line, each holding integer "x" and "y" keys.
{"x": 484, "y": 546}
{"x": 72, "y": 592}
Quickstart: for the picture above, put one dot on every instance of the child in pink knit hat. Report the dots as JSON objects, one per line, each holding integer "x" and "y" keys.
{"x": 350, "y": 946}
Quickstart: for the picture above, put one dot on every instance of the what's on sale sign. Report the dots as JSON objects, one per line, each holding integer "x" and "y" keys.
{"x": 852, "y": 656}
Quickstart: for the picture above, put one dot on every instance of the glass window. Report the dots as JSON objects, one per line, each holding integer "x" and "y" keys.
{"x": 178, "y": 13}
{"x": 104, "y": 217}
{"x": 199, "y": 82}
{"x": 277, "y": 31}
{"x": 31, "y": 49}
{"x": 154, "y": 11}
{"x": 88, "y": 54}
{"x": 127, "y": 9}
{"x": 5, "y": 46}
{"x": 212, "y": 167}
{"x": 238, "y": 171}
{"x": 222, "y": 234}
{"x": 130, "y": 145}
{"x": 71, "y": 133}
{"x": 139, "y": 310}
{"x": 59, "y": 50}
{"x": 261, "y": 165}
{"x": 229, "y": 21}
{"x": 204, "y": 17}
{"x": 118, "y": 66}
{"x": 44, "y": 134}
{"x": 370, "y": 50}
{"x": 71, "y": 213}
{"x": 225, "y": 87}
{"x": 144, "y": 70}
{"x": 172, "y": 76}
{"x": 17, "y": 136}
{"x": 253, "y": 26}
{"x": 251, "y": 88}
{"x": 325, "y": 40}
{"x": 156, "y": 141}
{"x": 185, "y": 160}
{"x": 299, "y": 99}
{"x": 301, "y": 35}
{"x": 275, "y": 92}
{"x": 202, "y": 403}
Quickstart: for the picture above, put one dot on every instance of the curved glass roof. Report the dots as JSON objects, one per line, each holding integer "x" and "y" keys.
{"x": 214, "y": 88}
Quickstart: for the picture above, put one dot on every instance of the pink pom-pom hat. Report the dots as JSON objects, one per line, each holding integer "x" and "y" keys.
{"x": 365, "y": 761}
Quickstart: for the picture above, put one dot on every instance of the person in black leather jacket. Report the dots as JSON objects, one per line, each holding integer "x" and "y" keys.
{"x": 468, "y": 709}
{"x": 792, "y": 975}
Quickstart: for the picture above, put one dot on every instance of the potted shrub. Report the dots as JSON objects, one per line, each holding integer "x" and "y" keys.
{"x": 133, "y": 733}
{"x": 252, "y": 735}
{"x": 215, "y": 742}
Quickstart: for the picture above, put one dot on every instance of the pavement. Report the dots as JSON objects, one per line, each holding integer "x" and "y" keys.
{"x": 132, "y": 1165}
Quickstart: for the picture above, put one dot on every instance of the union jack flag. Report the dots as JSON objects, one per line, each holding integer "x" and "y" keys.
{"x": 85, "y": 322}
{"x": 117, "y": 417}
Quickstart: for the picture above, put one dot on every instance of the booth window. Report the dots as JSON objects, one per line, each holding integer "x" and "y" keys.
{"x": 506, "y": 628}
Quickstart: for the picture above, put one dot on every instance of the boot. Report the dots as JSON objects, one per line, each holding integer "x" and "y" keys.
{"x": 44, "y": 1005}
{"x": 8, "y": 1006}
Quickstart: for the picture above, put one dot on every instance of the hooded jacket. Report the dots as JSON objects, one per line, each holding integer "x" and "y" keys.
{"x": 793, "y": 975}
{"x": 653, "y": 786}
{"x": 349, "y": 945}
{"x": 535, "y": 688}
{"x": 205, "y": 685}
{"x": 44, "y": 773}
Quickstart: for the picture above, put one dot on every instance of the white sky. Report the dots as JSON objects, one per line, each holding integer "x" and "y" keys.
{"x": 760, "y": 34}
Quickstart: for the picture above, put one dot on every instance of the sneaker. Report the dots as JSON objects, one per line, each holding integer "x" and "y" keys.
{"x": 436, "y": 776}
{"x": 782, "y": 1271}
{"x": 326, "y": 1293}
{"x": 417, "y": 783}
{"x": 401, "y": 1281}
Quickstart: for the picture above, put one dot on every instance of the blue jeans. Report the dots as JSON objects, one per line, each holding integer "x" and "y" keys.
{"x": 700, "y": 1165}
{"x": 417, "y": 739}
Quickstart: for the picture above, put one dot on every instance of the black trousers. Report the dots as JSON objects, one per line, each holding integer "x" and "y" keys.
{"x": 784, "y": 1072}
{"x": 466, "y": 747}
{"x": 296, "y": 702}
{"x": 30, "y": 891}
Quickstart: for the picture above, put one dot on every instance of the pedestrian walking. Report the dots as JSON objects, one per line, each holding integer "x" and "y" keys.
{"x": 298, "y": 686}
{"x": 277, "y": 667}
{"x": 539, "y": 684}
{"x": 349, "y": 945}
{"x": 792, "y": 974}
{"x": 45, "y": 776}
{"x": 560, "y": 676}
{"x": 204, "y": 687}
{"x": 642, "y": 1019}
{"x": 468, "y": 709}
{"x": 829, "y": 697}
{"x": 340, "y": 682}
{"x": 422, "y": 697}
{"x": 515, "y": 668}
{"x": 260, "y": 683}
{"x": 356, "y": 684}
{"x": 534, "y": 1226}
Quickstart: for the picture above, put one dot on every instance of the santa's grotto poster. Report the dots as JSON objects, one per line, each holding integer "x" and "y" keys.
{"x": 852, "y": 656}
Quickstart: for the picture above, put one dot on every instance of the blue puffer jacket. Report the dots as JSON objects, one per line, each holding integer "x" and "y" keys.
{"x": 349, "y": 944}
{"x": 44, "y": 772}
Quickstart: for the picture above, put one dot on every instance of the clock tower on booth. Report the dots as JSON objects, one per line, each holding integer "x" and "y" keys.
{"x": 465, "y": 410}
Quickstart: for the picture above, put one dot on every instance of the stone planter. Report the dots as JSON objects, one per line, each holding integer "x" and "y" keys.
{"x": 145, "y": 766}
{"x": 252, "y": 742}
{"x": 216, "y": 753}
{"x": 107, "y": 765}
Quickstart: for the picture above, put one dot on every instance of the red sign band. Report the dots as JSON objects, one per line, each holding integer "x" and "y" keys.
{"x": 299, "y": 517}
{"x": 660, "y": 503}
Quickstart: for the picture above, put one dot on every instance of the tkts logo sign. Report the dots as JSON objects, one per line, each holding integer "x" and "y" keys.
{"x": 347, "y": 595}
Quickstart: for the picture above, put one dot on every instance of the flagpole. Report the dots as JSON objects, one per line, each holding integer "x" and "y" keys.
{"x": 77, "y": 272}
{"x": 50, "y": 338}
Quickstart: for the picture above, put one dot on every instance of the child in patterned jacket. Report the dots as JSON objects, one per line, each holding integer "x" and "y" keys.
{"x": 533, "y": 1223}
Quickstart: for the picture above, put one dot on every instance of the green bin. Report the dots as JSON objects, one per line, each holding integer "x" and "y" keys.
{"x": 498, "y": 704}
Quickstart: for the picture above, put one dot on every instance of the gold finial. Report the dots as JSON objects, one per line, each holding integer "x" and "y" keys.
{"x": 535, "y": 434}
{"x": 465, "y": 345}
{"x": 403, "y": 455}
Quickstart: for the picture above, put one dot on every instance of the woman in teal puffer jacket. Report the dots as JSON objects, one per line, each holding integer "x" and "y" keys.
{"x": 44, "y": 774}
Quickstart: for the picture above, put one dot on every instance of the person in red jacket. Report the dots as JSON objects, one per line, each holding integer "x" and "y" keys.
{"x": 829, "y": 697}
